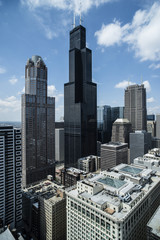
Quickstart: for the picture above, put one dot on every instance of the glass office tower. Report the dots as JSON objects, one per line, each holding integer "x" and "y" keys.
{"x": 38, "y": 124}
{"x": 80, "y": 101}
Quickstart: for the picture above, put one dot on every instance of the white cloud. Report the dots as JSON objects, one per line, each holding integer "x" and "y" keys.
{"x": 124, "y": 84}
{"x": 142, "y": 34}
{"x": 52, "y": 92}
{"x": 10, "y": 103}
{"x": 59, "y": 112}
{"x": 50, "y": 33}
{"x": 13, "y": 80}
{"x": 2, "y": 70}
{"x": 154, "y": 66}
{"x": 147, "y": 86}
{"x": 111, "y": 34}
{"x": 22, "y": 91}
{"x": 150, "y": 100}
{"x": 72, "y": 5}
{"x": 153, "y": 110}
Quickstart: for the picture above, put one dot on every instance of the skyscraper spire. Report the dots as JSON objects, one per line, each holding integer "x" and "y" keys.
{"x": 80, "y": 20}
{"x": 74, "y": 20}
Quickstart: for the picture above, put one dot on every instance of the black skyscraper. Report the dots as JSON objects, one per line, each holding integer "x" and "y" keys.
{"x": 80, "y": 101}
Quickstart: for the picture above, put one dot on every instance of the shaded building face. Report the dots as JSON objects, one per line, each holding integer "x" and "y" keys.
{"x": 38, "y": 123}
{"x": 104, "y": 125}
{"x": 80, "y": 100}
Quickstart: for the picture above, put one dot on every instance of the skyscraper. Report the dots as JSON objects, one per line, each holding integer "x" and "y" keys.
{"x": 135, "y": 106}
{"x": 104, "y": 125}
{"x": 38, "y": 124}
{"x": 117, "y": 112}
{"x": 10, "y": 176}
{"x": 80, "y": 101}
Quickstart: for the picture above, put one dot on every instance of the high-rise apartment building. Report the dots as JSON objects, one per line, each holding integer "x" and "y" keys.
{"x": 120, "y": 130}
{"x": 113, "y": 205}
{"x": 135, "y": 106}
{"x": 104, "y": 125}
{"x": 158, "y": 125}
{"x": 113, "y": 154}
{"x": 10, "y": 176}
{"x": 38, "y": 124}
{"x": 80, "y": 101}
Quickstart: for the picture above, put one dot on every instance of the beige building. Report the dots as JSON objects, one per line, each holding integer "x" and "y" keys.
{"x": 113, "y": 205}
{"x": 48, "y": 210}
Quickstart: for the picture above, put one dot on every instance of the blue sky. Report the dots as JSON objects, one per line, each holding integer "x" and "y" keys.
{"x": 124, "y": 37}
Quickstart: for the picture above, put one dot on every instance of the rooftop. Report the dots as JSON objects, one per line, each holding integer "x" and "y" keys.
{"x": 154, "y": 223}
{"x": 6, "y": 235}
{"x": 47, "y": 190}
{"x": 116, "y": 192}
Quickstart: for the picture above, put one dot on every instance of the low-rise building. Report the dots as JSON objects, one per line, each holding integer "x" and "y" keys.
{"x": 89, "y": 164}
{"x": 113, "y": 205}
{"x": 44, "y": 211}
{"x": 70, "y": 176}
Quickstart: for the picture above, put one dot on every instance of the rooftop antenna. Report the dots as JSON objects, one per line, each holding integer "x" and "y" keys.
{"x": 141, "y": 80}
{"x": 80, "y": 20}
{"x": 74, "y": 20}
{"x": 128, "y": 82}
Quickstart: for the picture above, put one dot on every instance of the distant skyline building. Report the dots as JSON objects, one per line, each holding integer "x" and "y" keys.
{"x": 59, "y": 144}
{"x": 113, "y": 154}
{"x": 120, "y": 130}
{"x": 135, "y": 106}
{"x": 117, "y": 112}
{"x": 140, "y": 143}
{"x": 104, "y": 125}
{"x": 80, "y": 101}
{"x": 150, "y": 117}
{"x": 10, "y": 177}
{"x": 158, "y": 125}
{"x": 38, "y": 124}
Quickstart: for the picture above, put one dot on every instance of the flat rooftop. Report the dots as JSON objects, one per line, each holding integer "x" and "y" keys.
{"x": 154, "y": 223}
{"x": 116, "y": 192}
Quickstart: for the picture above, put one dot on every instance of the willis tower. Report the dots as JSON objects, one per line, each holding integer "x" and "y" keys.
{"x": 80, "y": 101}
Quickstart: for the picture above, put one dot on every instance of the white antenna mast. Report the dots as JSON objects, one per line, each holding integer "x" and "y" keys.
{"x": 80, "y": 20}
{"x": 74, "y": 20}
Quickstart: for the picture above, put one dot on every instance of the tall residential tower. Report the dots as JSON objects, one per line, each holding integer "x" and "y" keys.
{"x": 135, "y": 106}
{"x": 38, "y": 124}
{"x": 80, "y": 101}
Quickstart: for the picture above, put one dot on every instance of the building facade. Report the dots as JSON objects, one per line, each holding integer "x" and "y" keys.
{"x": 158, "y": 125}
{"x": 44, "y": 211}
{"x": 80, "y": 101}
{"x": 153, "y": 226}
{"x": 113, "y": 204}
{"x": 120, "y": 130}
{"x": 117, "y": 112}
{"x": 104, "y": 124}
{"x": 59, "y": 145}
{"x": 140, "y": 143}
{"x": 38, "y": 124}
{"x": 89, "y": 164}
{"x": 10, "y": 177}
{"x": 113, "y": 154}
{"x": 135, "y": 106}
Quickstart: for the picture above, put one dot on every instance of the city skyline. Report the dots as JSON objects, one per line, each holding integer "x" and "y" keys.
{"x": 118, "y": 56}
